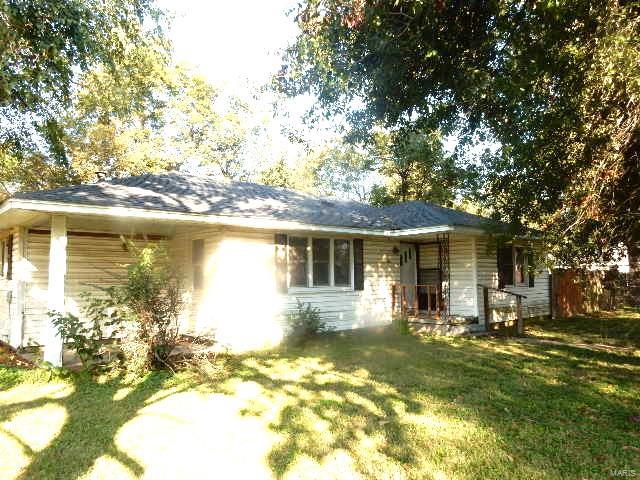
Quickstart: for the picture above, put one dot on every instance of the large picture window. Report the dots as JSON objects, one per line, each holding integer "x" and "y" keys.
{"x": 320, "y": 262}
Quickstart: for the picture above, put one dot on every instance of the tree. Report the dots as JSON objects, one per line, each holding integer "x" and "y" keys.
{"x": 43, "y": 47}
{"x": 416, "y": 168}
{"x": 555, "y": 84}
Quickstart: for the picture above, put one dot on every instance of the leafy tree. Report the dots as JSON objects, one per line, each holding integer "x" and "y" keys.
{"x": 416, "y": 168}
{"x": 555, "y": 84}
{"x": 43, "y": 47}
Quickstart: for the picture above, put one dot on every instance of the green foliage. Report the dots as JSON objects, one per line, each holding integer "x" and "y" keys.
{"x": 44, "y": 46}
{"x": 88, "y": 337}
{"x": 151, "y": 299}
{"x": 554, "y": 85}
{"x": 401, "y": 323}
{"x": 304, "y": 324}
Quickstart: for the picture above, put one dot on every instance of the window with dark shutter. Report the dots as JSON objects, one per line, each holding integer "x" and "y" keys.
{"x": 358, "y": 264}
{"x": 197, "y": 260}
{"x": 505, "y": 266}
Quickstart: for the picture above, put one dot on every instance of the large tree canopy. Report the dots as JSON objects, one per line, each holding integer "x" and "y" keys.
{"x": 555, "y": 84}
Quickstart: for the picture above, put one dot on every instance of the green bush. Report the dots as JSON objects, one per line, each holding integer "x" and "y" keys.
{"x": 143, "y": 309}
{"x": 87, "y": 338}
{"x": 304, "y": 323}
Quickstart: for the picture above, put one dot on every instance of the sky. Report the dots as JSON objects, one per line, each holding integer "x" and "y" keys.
{"x": 231, "y": 41}
{"x": 238, "y": 46}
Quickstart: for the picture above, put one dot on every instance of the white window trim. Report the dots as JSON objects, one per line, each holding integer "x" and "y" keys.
{"x": 321, "y": 288}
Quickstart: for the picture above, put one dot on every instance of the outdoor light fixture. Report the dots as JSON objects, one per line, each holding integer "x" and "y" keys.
{"x": 395, "y": 250}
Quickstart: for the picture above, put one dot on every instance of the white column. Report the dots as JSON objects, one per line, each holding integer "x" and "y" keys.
{"x": 55, "y": 296}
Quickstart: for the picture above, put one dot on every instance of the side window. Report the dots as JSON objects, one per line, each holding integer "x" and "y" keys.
{"x": 505, "y": 265}
{"x": 520, "y": 270}
{"x": 197, "y": 261}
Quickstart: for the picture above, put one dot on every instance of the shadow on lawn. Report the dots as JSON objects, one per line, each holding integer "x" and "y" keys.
{"x": 95, "y": 413}
{"x": 539, "y": 409}
{"x": 396, "y": 406}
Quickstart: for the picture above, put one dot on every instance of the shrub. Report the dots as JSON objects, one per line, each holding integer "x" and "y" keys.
{"x": 86, "y": 338}
{"x": 304, "y": 323}
{"x": 401, "y": 322}
{"x": 151, "y": 301}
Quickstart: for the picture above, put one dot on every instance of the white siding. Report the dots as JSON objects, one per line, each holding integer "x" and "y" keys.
{"x": 93, "y": 263}
{"x": 239, "y": 301}
{"x": 537, "y": 301}
{"x": 8, "y": 304}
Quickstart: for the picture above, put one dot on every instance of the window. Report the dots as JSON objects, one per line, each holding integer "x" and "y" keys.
{"x": 298, "y": 262}
{"x": 319, "y": 262}
{"x": 520, "y": 265}
{"x": 341, "y": 263}
{"x": 512, "y": 265}
{"x": 197, "y": 260}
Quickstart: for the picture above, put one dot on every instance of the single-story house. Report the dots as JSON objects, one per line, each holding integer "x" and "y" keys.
{"x": 250, "y": 252}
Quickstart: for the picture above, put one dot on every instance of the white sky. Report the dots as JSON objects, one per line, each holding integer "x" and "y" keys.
{"x": 230, "y": 41}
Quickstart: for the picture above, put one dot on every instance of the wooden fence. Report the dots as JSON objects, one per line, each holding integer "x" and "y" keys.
{"x": 576, "y": 292}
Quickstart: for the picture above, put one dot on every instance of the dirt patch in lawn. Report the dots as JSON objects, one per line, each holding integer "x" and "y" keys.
{"x": 9, "y": 357}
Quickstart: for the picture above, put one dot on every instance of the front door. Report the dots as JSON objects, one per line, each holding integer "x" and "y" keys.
{"x": 408, "y": 270}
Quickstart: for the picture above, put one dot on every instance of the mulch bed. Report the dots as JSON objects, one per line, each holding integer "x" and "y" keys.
{"x": 9, "y": 357}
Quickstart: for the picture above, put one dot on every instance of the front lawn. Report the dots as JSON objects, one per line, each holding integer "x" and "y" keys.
{"x": 366, "y": 404}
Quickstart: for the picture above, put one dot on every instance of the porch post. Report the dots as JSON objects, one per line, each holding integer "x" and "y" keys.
{"x": 55, "y": 296}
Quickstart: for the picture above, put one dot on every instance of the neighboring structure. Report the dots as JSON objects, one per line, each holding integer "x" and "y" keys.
{"x": 249, "y": 252}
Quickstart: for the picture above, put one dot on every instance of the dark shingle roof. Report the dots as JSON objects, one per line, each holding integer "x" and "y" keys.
{"x": 178, "y": 192}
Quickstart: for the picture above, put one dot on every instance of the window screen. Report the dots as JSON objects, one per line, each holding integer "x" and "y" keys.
{"x": 321, "y": 259}
{"x": 298, "y": 261}
{"x": 341, "y": 263}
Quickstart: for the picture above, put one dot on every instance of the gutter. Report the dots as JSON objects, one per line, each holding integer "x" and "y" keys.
{"x": 195, "y": 218}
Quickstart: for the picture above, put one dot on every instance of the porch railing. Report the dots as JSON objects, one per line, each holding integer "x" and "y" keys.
{"x": 407, "y": 298}
{"x": 488, "y": 308}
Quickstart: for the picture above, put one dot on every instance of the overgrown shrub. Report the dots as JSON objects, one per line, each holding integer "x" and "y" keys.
{"x": 151, "y": 301}
{"x": 304, "y": 323}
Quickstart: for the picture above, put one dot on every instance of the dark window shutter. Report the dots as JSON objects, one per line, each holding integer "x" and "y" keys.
{"x": 10, "y": 257}
{"x": 505, "y": 266}
{"x": 281, "y": 262}
{"x": 531, "y": 266}
{"x": 358, "y": 264}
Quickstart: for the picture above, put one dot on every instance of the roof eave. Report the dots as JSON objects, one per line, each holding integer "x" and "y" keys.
{"x": 196, "y": 218}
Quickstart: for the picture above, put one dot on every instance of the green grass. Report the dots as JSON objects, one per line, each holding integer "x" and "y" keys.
{"x": 367, "y": 404}
{"x": 619, "y": 329}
